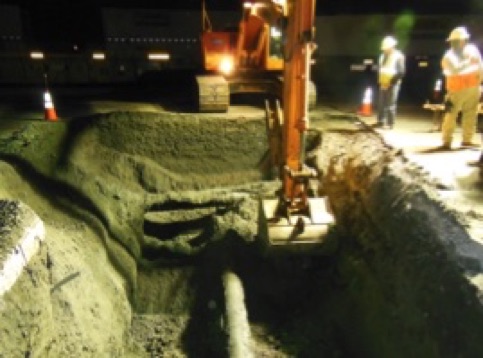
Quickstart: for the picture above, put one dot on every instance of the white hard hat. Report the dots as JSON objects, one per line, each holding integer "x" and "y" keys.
{"x": 388, "y": 42}
{"x": 458, "y": 33}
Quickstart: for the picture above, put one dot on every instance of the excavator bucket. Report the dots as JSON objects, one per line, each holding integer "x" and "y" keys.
{"x": 296, "y": 234}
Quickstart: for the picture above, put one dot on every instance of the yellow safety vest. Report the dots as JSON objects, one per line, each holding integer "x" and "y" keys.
{"x": 388, "y": 67}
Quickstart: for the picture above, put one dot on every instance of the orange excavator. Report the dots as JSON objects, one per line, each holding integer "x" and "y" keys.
{"x": 292, "y": 220}
{"x": 248, "y": 59}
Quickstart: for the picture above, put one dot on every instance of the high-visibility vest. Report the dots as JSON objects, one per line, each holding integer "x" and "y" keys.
{"x": 458, "y": 82}
{"x": 462, "y": 70}
{"x": 388, "y": 67}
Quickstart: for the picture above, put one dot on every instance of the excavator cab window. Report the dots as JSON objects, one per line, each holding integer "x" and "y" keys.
{"x": 275, "y": 47}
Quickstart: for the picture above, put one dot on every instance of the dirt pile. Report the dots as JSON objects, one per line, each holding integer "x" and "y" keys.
{"x": 94, "y": 181}
{"x": 145, "y": 211}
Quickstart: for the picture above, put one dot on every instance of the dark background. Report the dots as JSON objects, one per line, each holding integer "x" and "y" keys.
{"x": 323, "y": 6}
{"x": 79, "y": 21}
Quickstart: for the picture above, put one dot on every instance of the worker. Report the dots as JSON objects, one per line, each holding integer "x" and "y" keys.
{"x": 462, "y": 67}
{"x": 392, "y": 68}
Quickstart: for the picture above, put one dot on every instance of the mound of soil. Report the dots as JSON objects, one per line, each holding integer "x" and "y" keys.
{"x": 144, "y": 212}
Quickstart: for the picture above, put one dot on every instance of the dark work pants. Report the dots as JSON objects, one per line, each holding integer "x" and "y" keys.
{"x": 387, "y": 105}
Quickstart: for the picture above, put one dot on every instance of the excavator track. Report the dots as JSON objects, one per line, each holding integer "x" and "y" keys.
{"x": 214, "y": 90}
{"x": 213, "y": 93}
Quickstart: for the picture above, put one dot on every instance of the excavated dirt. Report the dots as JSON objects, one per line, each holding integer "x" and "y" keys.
{"x": 144, "y": 212}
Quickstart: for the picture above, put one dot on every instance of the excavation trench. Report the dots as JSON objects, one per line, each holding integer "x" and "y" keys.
{"x": 151, "y": 250}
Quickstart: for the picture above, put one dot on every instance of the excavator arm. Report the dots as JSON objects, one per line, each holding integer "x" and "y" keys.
{"x": 293, "y": 219}
{"x": 297, "y": 54}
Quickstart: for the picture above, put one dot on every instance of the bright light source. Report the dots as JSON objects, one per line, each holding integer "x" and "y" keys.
{"x": 247, "y": 5}
{"x": 275, "y": 32}
{"x": 36, "y": 55}
{"x": 158, "y": 56}
{"x": 259, "y": 6}
{"x": 368, "y": 61}
{"x": 98, "y": 56}
{"x": 226, "y": 65}
{"x": 423, "y": 64}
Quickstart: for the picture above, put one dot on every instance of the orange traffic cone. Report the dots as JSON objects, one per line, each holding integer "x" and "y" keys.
{"x": 50, "y": 113}
{"x": 366, "y": 107}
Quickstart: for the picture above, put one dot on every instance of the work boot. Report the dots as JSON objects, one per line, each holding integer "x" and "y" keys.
{"x": 469, "y": 145}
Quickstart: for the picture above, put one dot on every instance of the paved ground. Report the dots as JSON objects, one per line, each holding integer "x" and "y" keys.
{"x": 416, "y": 134}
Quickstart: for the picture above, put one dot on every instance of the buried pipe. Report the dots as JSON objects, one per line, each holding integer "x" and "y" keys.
{"x": 20, "y": 243}
{"x": 237, "y": 327}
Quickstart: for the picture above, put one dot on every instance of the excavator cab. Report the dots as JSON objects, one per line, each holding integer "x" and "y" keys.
{"x": 252, "y": 41}
{"x": 255, "y": 44}
{"x": 259, "y": 38}
{"x": 248, "y": 60}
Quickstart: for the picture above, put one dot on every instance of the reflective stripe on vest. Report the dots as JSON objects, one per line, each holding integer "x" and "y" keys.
{"x": 460, "y": 82}
{"x": 388, "y": 69}
{"x": 462, "y": 69}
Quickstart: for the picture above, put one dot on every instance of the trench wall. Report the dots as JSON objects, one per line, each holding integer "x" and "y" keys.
{"x": 404, "y": 257}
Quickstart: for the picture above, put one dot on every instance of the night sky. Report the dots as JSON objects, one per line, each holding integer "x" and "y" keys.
{"x": 323, "y": 6}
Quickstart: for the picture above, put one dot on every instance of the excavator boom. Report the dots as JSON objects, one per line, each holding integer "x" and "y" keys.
{"x": 300, "y": 37}
{"x": 294, "y": 220}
